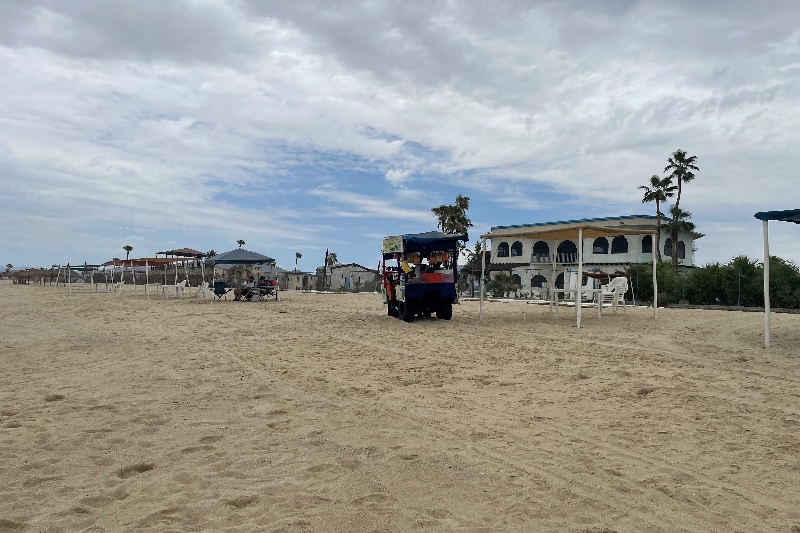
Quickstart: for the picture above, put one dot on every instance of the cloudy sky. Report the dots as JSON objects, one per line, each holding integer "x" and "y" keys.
{"x": 300, "y": 126}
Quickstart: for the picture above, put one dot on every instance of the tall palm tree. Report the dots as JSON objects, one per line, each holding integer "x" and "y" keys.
{"x": 128, "y": 249}
{"x": 683, "y": 170}
{"x": 297, "y": 256}
{"x": 211, "y": 253}
{"x": 241, "y": 243}
{"x": 660, "y": 190}
{"x": 332, "y": 259}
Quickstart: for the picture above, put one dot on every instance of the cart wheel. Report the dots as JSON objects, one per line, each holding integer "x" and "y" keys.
{"x": 404, "y": 312}
{"x": 445, "y": 311}
{"x": 392, "y": 305}
{"x": 426, "y": 314}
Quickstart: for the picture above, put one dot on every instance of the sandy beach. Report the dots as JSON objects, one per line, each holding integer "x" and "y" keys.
{"x": 319, "y": 413}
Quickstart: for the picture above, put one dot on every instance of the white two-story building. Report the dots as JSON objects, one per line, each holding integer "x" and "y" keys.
{"x": 530, "y": 260}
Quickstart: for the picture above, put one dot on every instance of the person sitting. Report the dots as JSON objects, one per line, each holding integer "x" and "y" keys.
{"x": 245, "y": 292}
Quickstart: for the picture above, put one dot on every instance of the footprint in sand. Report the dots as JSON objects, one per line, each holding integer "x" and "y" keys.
{"x": 202, "y": 448}
{"x": 10, "y": 525}
{"x": 132, "y": 470}
{"x": 320, "y": 468}
{"x": 53, "y": 398}
{"x": 240, "y": 502}
{"x": 210, "y": 438}
{"x": 375, "y": 497}
{"x": 409, "y": 457}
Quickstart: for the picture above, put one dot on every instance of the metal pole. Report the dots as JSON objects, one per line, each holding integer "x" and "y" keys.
{"x": 483, "y": 273}
{"x": 655, "y": 286}
{"x": 766, "y": 283}
{"x": 739, "y": 299}
{"x": 580, "y": 277}
{"x": 683, "y": 285}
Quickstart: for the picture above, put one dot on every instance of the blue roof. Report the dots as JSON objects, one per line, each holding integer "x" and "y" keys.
{"x": 434, "y": 236}
{"x": 605, "y": 219}
{"x": 790, "y": 215}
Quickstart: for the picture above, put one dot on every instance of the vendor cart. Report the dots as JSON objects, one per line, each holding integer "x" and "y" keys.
{"x": 420, "y": 272}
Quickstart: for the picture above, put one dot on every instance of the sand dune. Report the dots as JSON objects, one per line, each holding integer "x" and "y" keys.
{"x": 319, "y": 413}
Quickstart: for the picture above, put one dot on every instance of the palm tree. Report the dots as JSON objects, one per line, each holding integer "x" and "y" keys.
{"x": 679, "y": 222}
{"x": 332, "y": 259}
{"x": 211, "y": 253}
{"x": 683, "y": 169}
{"x": 453, "y": 218}
{"x": 659, "y": 190}
{"x": 128, "y": 249}
{"x": 241, "y": 243}
{"x": 297, "y": 256}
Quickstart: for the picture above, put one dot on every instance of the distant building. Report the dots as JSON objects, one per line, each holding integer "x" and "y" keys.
{"x": 530, "y": 261}
{"x": 295, "y": 280}
{"x": 349, "y": 277}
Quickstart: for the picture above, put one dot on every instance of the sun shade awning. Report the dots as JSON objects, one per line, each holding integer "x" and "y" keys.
{"x": 240, "y": 256}
{"x": 434, "y": 236}
{"x": 790, "y": 215}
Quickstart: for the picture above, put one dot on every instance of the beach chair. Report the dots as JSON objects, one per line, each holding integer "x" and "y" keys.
{"x": 265, "y": 292}
{"x": 614, "y": 293}
{"x": 219, "y": 290}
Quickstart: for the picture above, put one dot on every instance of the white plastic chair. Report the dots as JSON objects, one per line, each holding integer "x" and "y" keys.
{"x": 201, "y": 289}
{"x": 614, "y": 293}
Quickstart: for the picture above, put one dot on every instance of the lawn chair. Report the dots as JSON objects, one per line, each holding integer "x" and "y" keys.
{"x": 614, "y": 293}
{"x": 265, "y": 292}
{"x": 219, "y": 290}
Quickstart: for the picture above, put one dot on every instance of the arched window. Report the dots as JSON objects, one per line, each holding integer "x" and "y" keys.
{"x": 619, "y": 245}
{"x": 668, "y": 247}
{"x": 502, "y": 249}
{"x": 560, "y": 281}
{"x": 516, "y": 249}
{"x": 681, "y": 250}
{"x": 647, "y": 244}
{"x": 537, "y": 281}
{"x": 541, "y": 249}
{"x": 567, "y": 252}
{"x": 517, "y": 280}
{"x": 600, "y": 246}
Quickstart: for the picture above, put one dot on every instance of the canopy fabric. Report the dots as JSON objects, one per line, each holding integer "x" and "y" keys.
{"x": 143, "y": 261}
{"x": 183, "y": 252}
{"x": 790, "y": 215}
{"x": 434, "y": 236}
{"x": 240, "y": 256}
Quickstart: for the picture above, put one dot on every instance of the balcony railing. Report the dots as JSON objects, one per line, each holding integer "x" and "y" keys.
{"x": 560, "y": 258}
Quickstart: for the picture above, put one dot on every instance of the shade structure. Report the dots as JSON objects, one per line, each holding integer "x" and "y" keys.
{"x": 240, "y": 256}
{"x": 434, "y": 236}
{"x": 789, "y": 215}
{"x": 582, "y": 229}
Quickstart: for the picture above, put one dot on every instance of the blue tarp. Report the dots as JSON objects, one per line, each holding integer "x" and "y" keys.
{"x": 790, "y": 215}
{"x": 434, "y": 236}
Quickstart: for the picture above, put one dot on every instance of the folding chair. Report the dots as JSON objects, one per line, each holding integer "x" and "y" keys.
{"x": 219, "y": 290}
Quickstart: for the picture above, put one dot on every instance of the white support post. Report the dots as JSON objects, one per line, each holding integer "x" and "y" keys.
{"x": 146, "y": 278}
{"x": 553, "y": 294}
{"x": 483, "y": 273}
{"x": 655, "y": 282}
{"x": 766, "y": 283}
{"x": 578, "y": 293}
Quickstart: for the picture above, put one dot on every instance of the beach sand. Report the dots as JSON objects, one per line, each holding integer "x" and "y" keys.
{"x": 320, "y": 414}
